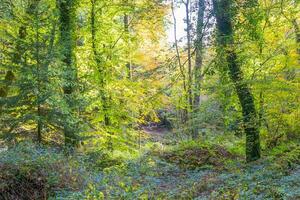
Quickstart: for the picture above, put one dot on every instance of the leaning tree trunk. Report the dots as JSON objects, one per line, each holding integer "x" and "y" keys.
{"x": 67, "y": 14}
{"x": 223, "y": 13}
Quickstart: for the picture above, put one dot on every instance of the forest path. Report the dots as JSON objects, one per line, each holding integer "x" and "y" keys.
{"x": 156, "y": 133}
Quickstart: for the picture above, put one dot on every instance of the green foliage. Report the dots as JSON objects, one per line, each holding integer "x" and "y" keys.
{"x": 287, "y": 156}
{"x": 196, "y": 154}
{"x": 37, "y": 172}
{"x": 101, "y": 160}
{"x": 97, "y": 73}
{"x": 148, "y": 176}
{"x": 34, "y": 99}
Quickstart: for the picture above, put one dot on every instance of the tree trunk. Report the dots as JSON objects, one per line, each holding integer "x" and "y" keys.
{"x": 223, "y": 14}
{"x": 67, "y": 12}
{"x": 101, "y": 69}
{"x": 183, "y": 112}
{"x": 199, "y": 53}
{"x": 188, "y": 32}
{"x": 39, "y": 78}
{"x": 126, "y": 30}
{"x": 198, "y": 62}
{"x": 297, "y": 32}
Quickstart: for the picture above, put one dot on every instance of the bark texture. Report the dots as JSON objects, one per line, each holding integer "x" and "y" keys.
{"x": 101, "y": 69}
{"x": 67, "y": 17}
{"x": 199, "y": 53}
{"x": 223, "y": 13}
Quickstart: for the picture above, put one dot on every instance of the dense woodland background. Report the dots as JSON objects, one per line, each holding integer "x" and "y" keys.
{"x": 97, "y": 103}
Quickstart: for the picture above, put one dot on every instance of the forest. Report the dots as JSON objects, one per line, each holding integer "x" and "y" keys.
{"x": 149, "y": 99}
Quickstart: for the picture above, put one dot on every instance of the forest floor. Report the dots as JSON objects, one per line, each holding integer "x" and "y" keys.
{"x": 162, "y": 169}
{"x": 156, "y": 133}
{"x": 199, "y": 173}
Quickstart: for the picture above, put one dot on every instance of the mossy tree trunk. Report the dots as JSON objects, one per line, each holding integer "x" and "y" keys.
{"x": 223, "y": 13}
{"x": 67, "y": 18}
{"x": 102, "y": 70}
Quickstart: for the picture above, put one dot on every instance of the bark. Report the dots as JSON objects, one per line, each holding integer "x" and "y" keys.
{"x": 297, "y": 32}
{"x": 67, "y": 17}
{"x": 101, "y": 70}
{"x": 38, "y": 65}
{"x": 188, "y": 32}
{"x": 199, "y": 53}
{"x": 198, "y": 62}
{"x": 223, "y": 15}
{"x": 126, "y": 30}
{"x": 184, "y": 112}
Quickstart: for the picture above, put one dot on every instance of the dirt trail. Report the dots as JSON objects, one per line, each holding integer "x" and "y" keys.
{"x": 156, "y": 133}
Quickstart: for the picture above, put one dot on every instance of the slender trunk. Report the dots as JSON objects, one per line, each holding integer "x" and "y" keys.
{"x": 184, "y": 116}
{"x": 198, "y": 63}
{"x": 188, "y": 32}
{"x": 126, "y": 30}
{"x": 67, "y": 14}
{"x": 261, "y": 108}
{"x": 102, "y": 70}
{"x": 37, "y": 57}
{"x": 223, "y": 14}
{"x": 297, "y": 32}
{"x": 199, "y": 54}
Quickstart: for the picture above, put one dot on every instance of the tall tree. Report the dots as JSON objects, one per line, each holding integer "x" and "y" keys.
{"x": 198, "y": 61}
{"x": 67, "y": 18}
{"x": 101, "y": 69}
{"x": 29, "y": 56}
{"x": 189, "y": 53}
{"x": 183, "y": 112}
{"x": 126, "y": 30}
{"x": 199, "y": 52}
{"x": 224, "y": 18}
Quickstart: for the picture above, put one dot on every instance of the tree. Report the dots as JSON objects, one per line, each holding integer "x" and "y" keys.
{"x": 200, "y": 31}
{"x": 224, "y": 17}
{"x": 199, "y": 52}
{"x": 127, "y": 32}
{"x": 101, "y": 70}
{"x": 67, "y": 19}
{"x": 33, "y": 94}
{"x": 189, "y": 54}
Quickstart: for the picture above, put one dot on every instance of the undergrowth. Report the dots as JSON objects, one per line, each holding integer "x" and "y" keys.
{"x": 188, "y": 170}
{"x": 28, "y": 171}
{"x": 195, "y": 154}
